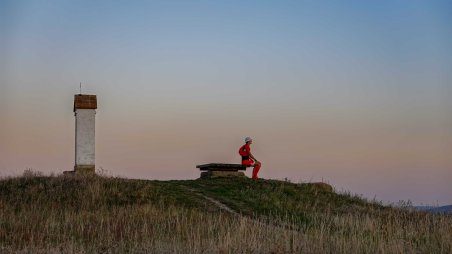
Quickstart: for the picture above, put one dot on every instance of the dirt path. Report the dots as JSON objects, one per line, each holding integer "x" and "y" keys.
{"x": 217, "y": 203}
{"x": 231, "y": 211}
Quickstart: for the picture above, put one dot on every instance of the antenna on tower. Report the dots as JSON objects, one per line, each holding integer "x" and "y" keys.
{"x": 80, "y": 88}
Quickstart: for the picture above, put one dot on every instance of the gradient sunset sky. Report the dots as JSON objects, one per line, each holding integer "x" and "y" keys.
{"x": 354, "y": 93}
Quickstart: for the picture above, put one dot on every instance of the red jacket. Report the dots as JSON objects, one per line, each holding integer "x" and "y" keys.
{"x": 244, "y": 151}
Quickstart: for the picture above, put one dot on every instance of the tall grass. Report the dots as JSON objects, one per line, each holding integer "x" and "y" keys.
{"x": 95, "y": 215}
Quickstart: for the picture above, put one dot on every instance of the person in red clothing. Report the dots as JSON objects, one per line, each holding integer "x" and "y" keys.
{"x": 248, "y": 159}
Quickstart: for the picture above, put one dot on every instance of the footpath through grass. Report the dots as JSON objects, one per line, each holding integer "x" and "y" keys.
{"x": 272, "y": 197}
{"x": 102, "y": 214}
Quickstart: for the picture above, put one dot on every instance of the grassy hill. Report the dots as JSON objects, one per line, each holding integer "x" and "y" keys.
{"x": 230, "y": 215}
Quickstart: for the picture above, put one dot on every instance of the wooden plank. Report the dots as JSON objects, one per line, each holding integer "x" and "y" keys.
{"x": 221, "y": 167}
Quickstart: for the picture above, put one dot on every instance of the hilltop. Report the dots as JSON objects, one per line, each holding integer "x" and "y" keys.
{"x": 106, "y": 214}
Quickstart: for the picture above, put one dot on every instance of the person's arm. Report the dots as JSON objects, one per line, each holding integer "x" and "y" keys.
{"x": 252, "y": 157}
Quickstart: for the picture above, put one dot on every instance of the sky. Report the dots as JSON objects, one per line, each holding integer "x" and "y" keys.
{"x": 354, "y": 93}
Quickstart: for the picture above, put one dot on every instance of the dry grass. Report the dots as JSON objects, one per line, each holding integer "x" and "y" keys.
{"x": 110, "y": 215}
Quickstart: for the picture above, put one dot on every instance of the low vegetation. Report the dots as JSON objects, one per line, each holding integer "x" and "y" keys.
{"x": 41, "y": 214}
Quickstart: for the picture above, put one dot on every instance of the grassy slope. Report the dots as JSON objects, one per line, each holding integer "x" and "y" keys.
{"x": 110, "y": 214}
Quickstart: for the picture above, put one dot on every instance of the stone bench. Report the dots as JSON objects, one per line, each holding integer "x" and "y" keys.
{"x": 213, "y": 170}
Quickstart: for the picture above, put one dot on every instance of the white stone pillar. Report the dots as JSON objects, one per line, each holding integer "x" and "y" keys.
{"x": 85, "y": 128}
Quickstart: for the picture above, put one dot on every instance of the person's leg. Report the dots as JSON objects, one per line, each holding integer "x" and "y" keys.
{"x": 254, "y": 173}
{"x": 257, "y": 167}
{"x": 247, "y": 163}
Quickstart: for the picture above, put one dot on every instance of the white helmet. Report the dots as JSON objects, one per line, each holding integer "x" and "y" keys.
{"x": 248, "y": 139}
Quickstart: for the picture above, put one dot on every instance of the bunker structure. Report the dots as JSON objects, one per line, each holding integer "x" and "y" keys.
{"x": 85, "y": 128}
{"x": 214, "y": 170}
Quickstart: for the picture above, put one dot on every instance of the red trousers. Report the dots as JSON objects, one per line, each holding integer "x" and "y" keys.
{"x": 256, "y": 167}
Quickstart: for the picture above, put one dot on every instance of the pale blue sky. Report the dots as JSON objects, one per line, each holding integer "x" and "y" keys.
{"x": 346, "y": 91}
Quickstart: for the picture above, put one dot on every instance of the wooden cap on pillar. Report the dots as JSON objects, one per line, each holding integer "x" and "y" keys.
{"x": 85, "y": 101}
